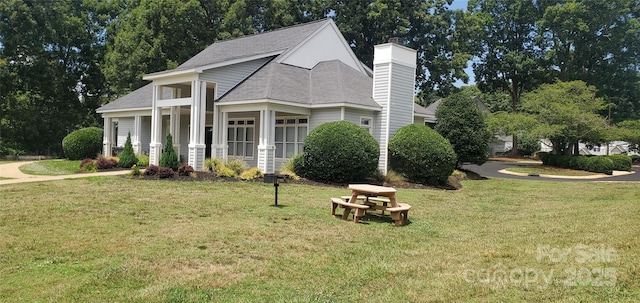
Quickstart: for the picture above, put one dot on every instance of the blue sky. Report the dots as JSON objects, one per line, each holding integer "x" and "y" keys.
{"x": 459, "y": 4}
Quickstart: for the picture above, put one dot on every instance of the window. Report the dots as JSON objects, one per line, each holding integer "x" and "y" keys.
{"x": 290, "y": 135}
{"x": 240, "y": 139}
{"x": 365, "y": 122}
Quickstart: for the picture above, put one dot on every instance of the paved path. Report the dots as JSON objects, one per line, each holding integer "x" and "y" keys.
{"x": 492, "y": 169}
{"x": 12, "y": 171}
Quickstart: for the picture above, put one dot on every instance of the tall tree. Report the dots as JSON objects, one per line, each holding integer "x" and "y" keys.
{"x": 597, "y": 41}
{"x": 51, "y": 81}
{"x": 506, "y": 45}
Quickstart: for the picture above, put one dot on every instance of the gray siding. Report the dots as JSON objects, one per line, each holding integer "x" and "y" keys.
{"x": 353, "y": 115}
{"x": 323, "y": 115}
{"x": 184, "y": 138}
{"x": 402, "y": 89}
{"x": 227, "y": 77}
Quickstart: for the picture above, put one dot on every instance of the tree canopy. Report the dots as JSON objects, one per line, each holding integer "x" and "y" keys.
{"x": 62, "y": 59}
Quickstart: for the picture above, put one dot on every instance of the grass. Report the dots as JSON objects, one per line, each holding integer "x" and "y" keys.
{"x": 51, "y": 167}
{"x": 548, "y": 170}
{"x": 109, "y": 239}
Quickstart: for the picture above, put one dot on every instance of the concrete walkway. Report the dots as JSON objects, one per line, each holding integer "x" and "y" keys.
{"x": 12, "y": 171}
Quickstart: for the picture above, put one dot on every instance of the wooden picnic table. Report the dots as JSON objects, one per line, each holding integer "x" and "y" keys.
{"x": 370, "y": 195}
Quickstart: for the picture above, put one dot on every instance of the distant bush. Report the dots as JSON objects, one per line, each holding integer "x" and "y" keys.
{"x": 185, "y": 170}
{"x": 88, "y": 166}
{"x": 127, "y": 157}
{"x": 169, "y": 158}
{"x": 251, "y": 174}
{"x": 621, "y": 162}
{"x": 226, "y": 172}
{"x": 135, "y": 170}
{"x": 165, "y": 172}
{"x": 339, "y": 152}
{"x": 600, "y": 164}
{"x": 596, "y": 164}
{"x": 635, "y": 159}
{"x": 212, "y": 165}
{"x": 106, "y": 163}
{"x": 152, "y": 170}
{"x": 82, "y": 143}
{"x": 143, "y": 161}
{"x": 421, "y": 155}
{"x": 237, "y": 165}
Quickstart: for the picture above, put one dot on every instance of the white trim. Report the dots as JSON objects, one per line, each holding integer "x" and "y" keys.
{"x": 170, "y": 73}
{"x": 174, "y": 102}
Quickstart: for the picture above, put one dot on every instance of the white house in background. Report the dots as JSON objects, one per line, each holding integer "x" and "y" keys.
{"x": 257, "y": 97}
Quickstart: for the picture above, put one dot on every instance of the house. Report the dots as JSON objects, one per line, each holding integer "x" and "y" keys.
{"x": 257, "y": 97}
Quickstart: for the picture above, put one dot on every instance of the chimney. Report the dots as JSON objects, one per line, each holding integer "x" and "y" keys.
{"x": 394, "y": 76}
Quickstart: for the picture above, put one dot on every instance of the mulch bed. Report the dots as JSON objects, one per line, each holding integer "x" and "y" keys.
{"x": 454, "y": 182}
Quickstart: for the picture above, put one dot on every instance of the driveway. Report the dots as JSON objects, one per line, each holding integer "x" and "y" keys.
{"x": 491, "y": 169}
{"x": 12, "y": 171}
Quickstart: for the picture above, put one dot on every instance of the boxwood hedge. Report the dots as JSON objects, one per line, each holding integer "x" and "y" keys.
{"x": 82, "y": 143}
{"x": 338, "y": 152}
{"x": 422, "y": 155}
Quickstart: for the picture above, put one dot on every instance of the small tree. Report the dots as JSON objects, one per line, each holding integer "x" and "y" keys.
{"x": 461, "y": 122}
{"x": 127, "y": 157}
{"x": 169, "y": 158}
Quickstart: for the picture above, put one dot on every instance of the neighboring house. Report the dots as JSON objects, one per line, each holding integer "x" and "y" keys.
{"x": 257, "y": 97}
{"x": 613, "y": 148}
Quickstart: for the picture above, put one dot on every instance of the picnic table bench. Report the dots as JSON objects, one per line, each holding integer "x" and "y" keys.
{"x": 370, "y": 196}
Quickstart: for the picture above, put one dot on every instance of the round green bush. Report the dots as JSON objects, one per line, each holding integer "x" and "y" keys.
{"x": 621, "y": 162}
{"x": 600, "y": 164}
{"x": 339, "y": 152}
{"x": 82, "y": 143}
{"x": 422, "y": 155}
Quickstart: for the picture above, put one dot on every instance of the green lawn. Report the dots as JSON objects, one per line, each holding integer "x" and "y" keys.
{"x": 52, "y": 167}
{"x": 112, "y": 239}
{"x": 548, "y": 170}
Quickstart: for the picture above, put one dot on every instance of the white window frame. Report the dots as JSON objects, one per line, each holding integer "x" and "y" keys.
{"x": 232, "y": 145}
{"x": 367, "y": 123}
{"x": 300, "y": 125}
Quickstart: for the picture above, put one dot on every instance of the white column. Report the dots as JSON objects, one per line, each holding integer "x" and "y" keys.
{"x": 198, "y": 114}
{"x": 106, "y": 137}
{"x": 155, "y": 146}
{"x": 266, "y": 142}
{"x": 175, "y": 128}
{"x": 137, "y": 133}
{"x": 220, "y": 121}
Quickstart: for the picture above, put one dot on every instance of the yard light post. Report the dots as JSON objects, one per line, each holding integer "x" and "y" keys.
{"x": 275, "y": 179}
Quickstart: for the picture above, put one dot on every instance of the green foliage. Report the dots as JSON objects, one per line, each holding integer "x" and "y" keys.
{"x": 527, "y": 144}
{"x": 339, "y": 152}
{"x": 421, "y": 155}
{"x": 237, "y": 165}
{"x": 127, "y": 157}
{"x": 251, "y": 174}
{"x": 88, "y": 166}
{"x": 629, "y": 131}
{"x": 621, "y": 162}
{"x": 596, "y": 164}
{"x": 600, "y": 164}
{"x": 169, "y": 158}
{"x": 225, "y": 172}
{"x": 143, "y": 161}
{"x": 83, "y": 143}
{"x": 461, "y": 122}
{"x": 135, "y": 171}
{"x": 565, "y": 113}
{"x": 212, "y": 165}
{"x": 288, "y": 167}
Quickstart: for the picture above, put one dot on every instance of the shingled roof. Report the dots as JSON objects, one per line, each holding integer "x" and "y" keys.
{"x": 329, "y": 82}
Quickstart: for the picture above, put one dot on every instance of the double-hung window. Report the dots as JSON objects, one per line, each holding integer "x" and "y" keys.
{"x": 366, "y": 123}
{"x": 290, "y": 135}
{"x": 240, "y": 137}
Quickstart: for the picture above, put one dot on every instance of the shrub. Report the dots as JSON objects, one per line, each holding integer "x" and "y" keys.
{"x": 621, "y": 162}
{"x": 135, "y": 170}
{"x": 297, "y": 164}
{"x": 635, "y": 159}
{"x": 165, "y": 172}
{"x": 600, "y": 164}
{"x": 169, "y": 158}
{"x": 421, "y": 155}
{"x": 143, "y": 161}
{"x": 237, "y": 165}
{"x": 212, "y": 165}
{"x": 463, "y": 124}
{"x": 82, "y": 143}
{"x": 224, "y": 171}
{"x": 106, "y": 163}
{"x": 185, "y": 170}
{"x": 88, "y": 166}
{"x": 251, "y": 174}
{"x": 339, "y": 152}
{"x": 152, "y": 170}
{"x": 127, "y": 157}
